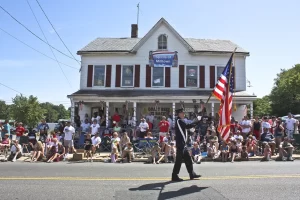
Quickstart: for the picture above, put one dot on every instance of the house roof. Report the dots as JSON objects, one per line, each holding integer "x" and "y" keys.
{"x": 141, "y": 92}
{"x": 131, "y": 45}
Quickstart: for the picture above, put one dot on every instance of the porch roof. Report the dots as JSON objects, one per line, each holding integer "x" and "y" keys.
{"x": 141, "y": 92}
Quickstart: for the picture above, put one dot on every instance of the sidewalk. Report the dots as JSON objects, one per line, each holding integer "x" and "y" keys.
{"x": 140, "y": 158}
{"x": 143, "y": 158}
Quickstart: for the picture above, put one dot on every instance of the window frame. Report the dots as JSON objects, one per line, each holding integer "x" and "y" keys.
{"x": 133, "y": 75}
{"x": 216, "y": 72}
{"x": 164, "y": 74}
{"x": 158, "y": 42}
{"x": 104, "y": 83}
{"x": 197, "y": 75}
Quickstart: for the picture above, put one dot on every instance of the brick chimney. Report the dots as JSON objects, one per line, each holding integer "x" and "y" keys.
{"x": 134, "y": 30}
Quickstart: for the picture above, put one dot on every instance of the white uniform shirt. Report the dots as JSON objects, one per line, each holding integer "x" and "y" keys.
{"x": 290, "y": 124}
{"x": 143, "y": 126}
{"x": 246, "y": 122}
{"x": 96, "y": 140}
{"x": 94, "y": 128}
{"x": 69, "y": 131}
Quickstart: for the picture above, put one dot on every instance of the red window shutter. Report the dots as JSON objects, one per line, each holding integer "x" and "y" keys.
{"x": 181, "y": 76}
{"x": 118, "y": 76}
{"x": 148, "y": 76}
{"x": 90, "y": 76}
{"x": 137, "y": 76}
{"x": 108, "y": 76}
{"x": 202, "y": 76}
{"x": 167, "y": 76}
{"x": 212, "y": 72}
{"x": 233, "y": 73}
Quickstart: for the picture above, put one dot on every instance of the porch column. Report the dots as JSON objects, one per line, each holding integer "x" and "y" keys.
{"x": 173, "y": 109}
{"x": 134, "y": 114}
{"x": 106, "y": 113}
{"x": 212, "y": 109}
{"x": 72, "y": 111}
{"x": 251, "y": 110}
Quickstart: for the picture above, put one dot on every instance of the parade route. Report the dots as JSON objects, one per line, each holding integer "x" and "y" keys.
{"x": 245, "y": 180}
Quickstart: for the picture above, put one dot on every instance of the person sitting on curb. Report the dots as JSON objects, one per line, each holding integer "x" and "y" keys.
{"x": 267, "y": 153}
{"x": 268, "y": 138}
{"x": 38, "y": 151}
{"x": 286, "y": 150}
{"x": 53, "y": 151}
{"x": 16, "y": 151}
{"x": 196, "y": 153}
{"x": 5, "y": 144}
{"x": 224, "y": 151}
{"x": 244, "y": 154}
{"x": 128, "y": 152}
{"x": 156, "y": 154}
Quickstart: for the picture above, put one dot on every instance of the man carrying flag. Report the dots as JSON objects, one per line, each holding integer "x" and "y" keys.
{"x": 223, "y": 91}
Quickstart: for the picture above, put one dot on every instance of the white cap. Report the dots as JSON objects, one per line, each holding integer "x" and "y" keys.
{"x": 266, "y": 125}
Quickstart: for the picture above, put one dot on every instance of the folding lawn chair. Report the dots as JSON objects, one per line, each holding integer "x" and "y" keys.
{"x": 106, "y": 144}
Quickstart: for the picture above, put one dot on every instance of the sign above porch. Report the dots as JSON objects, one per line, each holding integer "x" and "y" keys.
{"x": 163, "y": 59}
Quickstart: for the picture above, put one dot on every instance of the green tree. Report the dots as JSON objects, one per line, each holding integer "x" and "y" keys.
{"x": 27, "y": 110}
{"x": 62, "y": 112}
{"x": 285, "y": 95}
{"x": 262, "y": 107}
{"x": 51, "y": 114}
{"x": 4, "y": 110}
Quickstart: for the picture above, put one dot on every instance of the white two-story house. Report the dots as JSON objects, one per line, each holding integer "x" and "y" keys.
{"x": 116, "y": 76}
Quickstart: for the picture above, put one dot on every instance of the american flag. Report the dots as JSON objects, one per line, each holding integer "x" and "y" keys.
{"x": 223, "y": 91}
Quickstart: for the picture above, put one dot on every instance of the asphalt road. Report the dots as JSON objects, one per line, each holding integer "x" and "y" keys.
{"x": 244, "y": 180}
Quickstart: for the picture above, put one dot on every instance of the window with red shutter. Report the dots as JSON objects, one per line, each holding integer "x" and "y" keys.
{"x": 181, "y": 76}
{"x": 202, "y": 76}
{"x": 118, "y": 76}
{"x": 167, "y": 76}
{"x": 137, "y": 76}
{"x": 148, "y": 76}
{"x": 90, "y": 76}
{"x": 212, "y": 72}
{"x": 108, "y": 76}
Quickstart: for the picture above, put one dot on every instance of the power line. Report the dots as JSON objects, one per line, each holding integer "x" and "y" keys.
{"x": 11, "y": 88}
{"x": 36, "y": 35}
{"x": 56, "y": 31}
{"x": 48, "y": 43}
{"x": 35, "y": 49}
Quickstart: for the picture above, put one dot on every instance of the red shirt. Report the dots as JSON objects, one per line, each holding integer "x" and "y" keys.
{"x": 116, "y": 118}
{"x": 164, "y": 126}
{"x": 20, "y": 131}
{"x": 235, "y": 127}
{"x": 150, "y": 125}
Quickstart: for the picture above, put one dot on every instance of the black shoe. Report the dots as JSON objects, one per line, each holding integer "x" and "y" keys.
{"x": 193, "y": 176}
{"x": 176, "y": 178}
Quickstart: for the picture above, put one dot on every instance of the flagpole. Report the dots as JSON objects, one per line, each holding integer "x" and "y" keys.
{"x": 229, "y": 76}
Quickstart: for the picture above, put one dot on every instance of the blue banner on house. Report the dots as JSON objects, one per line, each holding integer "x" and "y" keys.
{"x": 163, "y": 59}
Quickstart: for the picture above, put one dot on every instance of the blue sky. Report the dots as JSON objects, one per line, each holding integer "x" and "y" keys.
{"x": 269, "y": 30}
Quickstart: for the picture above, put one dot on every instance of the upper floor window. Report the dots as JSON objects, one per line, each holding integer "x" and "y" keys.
{"x": 191, "y": 76}
{"x": 219, "y": 71}
{"x": 127, "y": 76}
{"x": 99, "y": 75}
{"x": 162, "y": 42}
{"x": 158, "y": 76}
